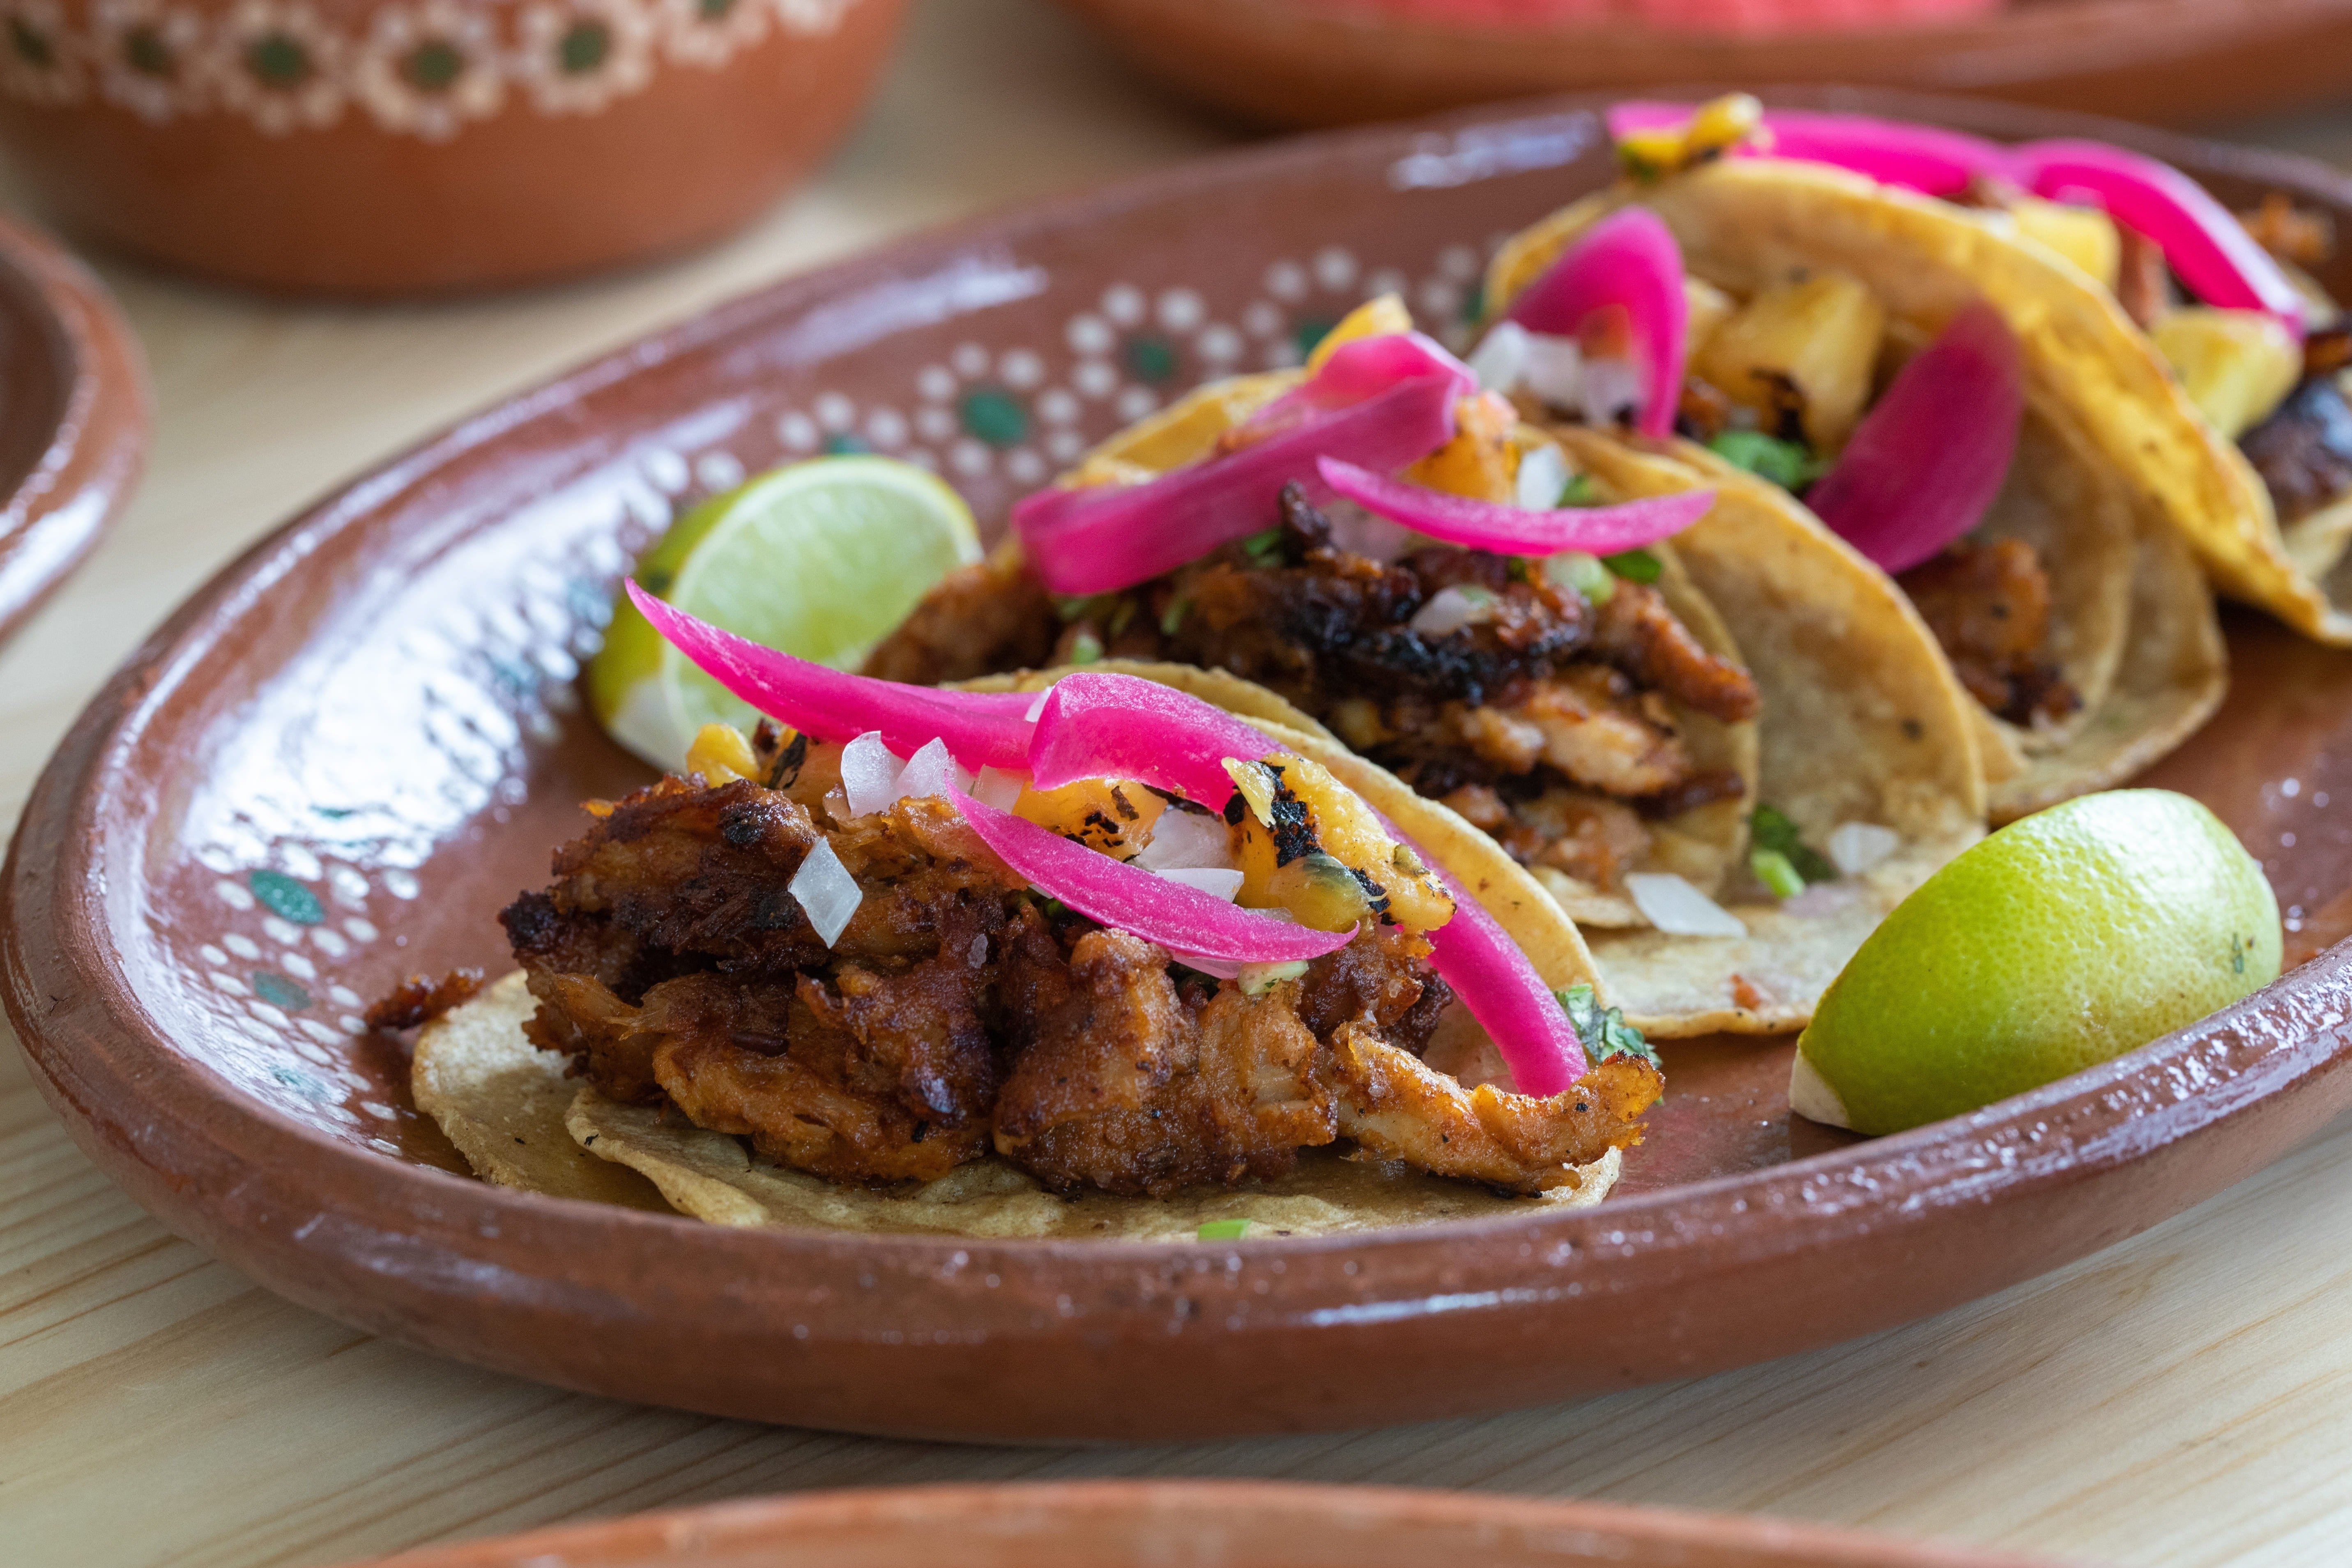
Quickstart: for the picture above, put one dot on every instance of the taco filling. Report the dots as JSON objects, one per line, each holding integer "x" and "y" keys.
{"x": 1139, "y": 947}
{"x": 1538, "y": 698}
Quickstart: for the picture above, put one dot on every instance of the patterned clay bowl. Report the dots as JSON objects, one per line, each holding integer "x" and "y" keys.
{"x": 1152, "y": 1524}
{"x": 335, "y": 764}
{"x": 74, "y": 417}
{"x": 1343, "y": 62}
{"x": 391, "y": 147}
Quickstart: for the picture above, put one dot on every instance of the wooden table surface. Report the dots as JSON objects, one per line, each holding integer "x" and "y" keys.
{"x": 2185, "y": 1398}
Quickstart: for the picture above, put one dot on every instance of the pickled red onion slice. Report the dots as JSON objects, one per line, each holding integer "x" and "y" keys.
{"x": 1927, "y": 460}
{"x": 1512, "y": 530}
{"x": 2221, "y": 264}
{"x": 1103, "y": 725}
{"x": 981, "y": 729}
{"x": 1182, "y": 919}
{"x": 1495, "y": 980}
{"x": 1628, "y": 259}
{"x": 1384, "y": 402}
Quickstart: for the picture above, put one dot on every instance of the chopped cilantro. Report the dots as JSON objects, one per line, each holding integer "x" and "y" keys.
{"x": 1080, "y": 607}
{"x": 1785, "y": 463}
{"x": 1603, "y": 1032}
{"x": 1772, "y": 830}
{"x": 1773, "y": 869}
{"x": 1173, "y": 616}
{"x": 1577, "y": 491}
{"x": 1634, "y": 565}
{"x": 1223, "y": 1229}
{"x": 1264, "y": 548}
{"x": 1085, "y": 648}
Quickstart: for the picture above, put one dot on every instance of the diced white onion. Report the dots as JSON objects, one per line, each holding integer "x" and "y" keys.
{"x": 1855, "y": 846}
{"x": 1611, "y": 387}
{"x": 1676, "y": 908}
{"x": 1257, "y": 979}
{"x": 1217, "y": 884}
{"x": 869, "y": 774}
{"x": 930, "y": 771}
{"x": 1554, "y": 370}
{"x": 1037, "y": 707}
{"x": 999, "y": 787}
{"x": 1500, "y": 357}
{"x": 1450, "y": 609}
{"x": 1543, "y": 475}
{"x": 828, "y": 894}
{"x": 1183, "y": 840}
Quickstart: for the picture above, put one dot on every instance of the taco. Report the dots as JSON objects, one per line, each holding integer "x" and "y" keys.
{"x": 1944, "y": 395}
{"x": 1598, "y": 720}
{"x": 1102, "y": 962}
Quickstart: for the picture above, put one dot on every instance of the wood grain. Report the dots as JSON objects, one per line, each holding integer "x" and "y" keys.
{"x": 2182, "y": 1399}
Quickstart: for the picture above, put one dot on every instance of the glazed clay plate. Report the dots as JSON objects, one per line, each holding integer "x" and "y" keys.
{"x": 1153, "y": 1524}
{"x": 336, "y": 764}
{"x": 73, "y": 416}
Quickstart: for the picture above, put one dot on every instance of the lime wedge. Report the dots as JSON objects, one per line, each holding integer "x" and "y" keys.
{"x": 2065, "y": 939}
{"x": 821, "y": 560}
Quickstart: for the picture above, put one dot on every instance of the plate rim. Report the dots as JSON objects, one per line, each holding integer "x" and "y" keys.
{"x": 82, "y": 1029}
{"x": 97, "y": 451}
{"x": 759, "y": 1521}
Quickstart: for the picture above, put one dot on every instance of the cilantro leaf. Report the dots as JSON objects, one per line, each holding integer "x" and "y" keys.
{"x": 1772, "y": 830}
{"x": 1785, "y": 463}
{"x": 1634, "y": 565}
{"x": 1604, "y": 1031}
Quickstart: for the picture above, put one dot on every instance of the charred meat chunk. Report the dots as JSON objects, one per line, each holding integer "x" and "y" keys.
{"x": 958, "y": 1014}
{"x": 1989, "y": 606}
{"x": 2304, "y": 450}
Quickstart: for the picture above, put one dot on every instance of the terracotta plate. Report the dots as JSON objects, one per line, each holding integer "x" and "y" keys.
{"x": 73, "y": 416}
{"x": 336, "y": 762}
{"x": 1151, "y": 1524}
{"x": 1331, "y": 62}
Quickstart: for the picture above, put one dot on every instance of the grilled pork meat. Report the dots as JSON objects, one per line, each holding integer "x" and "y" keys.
{"x": 1536, "y": 689}
{"x": 1989, "y": 606}
{"x": 2304, "y": 450}
{"x": 958, "y": 1014}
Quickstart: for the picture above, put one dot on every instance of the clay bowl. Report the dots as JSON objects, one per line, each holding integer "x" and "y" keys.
{"x": 73, "y": 416}
{"x": 335, "y": 764}
{"x": 1343, "y": 62}
{"x": 394, "y": 147}
{"x": 1148, "y": 1524}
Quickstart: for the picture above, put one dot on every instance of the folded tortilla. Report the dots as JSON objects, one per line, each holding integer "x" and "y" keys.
{"x": 2101, "y": 486}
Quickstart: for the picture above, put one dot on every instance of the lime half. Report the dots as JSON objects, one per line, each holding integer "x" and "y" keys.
{"x": 2066, "y": 937}
{"x": 821, "y": 560}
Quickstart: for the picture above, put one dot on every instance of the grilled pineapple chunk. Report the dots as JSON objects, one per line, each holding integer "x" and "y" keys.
{"x": 1810, "y": 345}
{"x": 1481, "y": 461}
{"x": 1115, "y": 818}
{"x": 1311, "y": 846}
{"x": 2237, "y": 366}
{"x": 2083, "y": 236}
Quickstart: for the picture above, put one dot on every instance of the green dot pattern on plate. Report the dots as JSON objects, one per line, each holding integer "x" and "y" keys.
{"x": 1150, "y": 360}
{"x": 278, "y": 991}
{"x": 842, "y": 444}
{"x": 433, "y": 66}
{"x": 286, "y": 897}
{"x": 144, "y": 51}
{"x": 993, "y": 415}
{"x": 584, "y": 48}
{"x": 32, "y": 45}
{"x": 278, "y": 60}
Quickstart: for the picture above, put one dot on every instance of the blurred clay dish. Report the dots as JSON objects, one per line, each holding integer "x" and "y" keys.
{"x": 1340, "y": 62}
{"x": 386, "y": 147}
